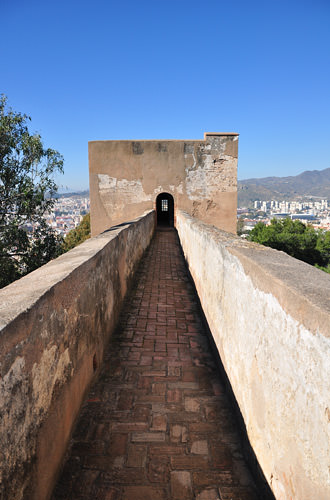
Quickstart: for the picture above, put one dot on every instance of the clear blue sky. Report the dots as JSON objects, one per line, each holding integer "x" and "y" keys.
{"x": 173, "y": 69}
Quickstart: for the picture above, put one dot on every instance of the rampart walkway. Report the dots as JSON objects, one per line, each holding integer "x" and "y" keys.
{"x": 157, "y": 424}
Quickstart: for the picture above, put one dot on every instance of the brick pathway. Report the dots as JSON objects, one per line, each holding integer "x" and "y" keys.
{"x": 157, "y": 424}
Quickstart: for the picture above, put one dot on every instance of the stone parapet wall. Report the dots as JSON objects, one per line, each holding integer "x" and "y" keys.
{"x": 269, "y": 315}
{"x": 54, "y": 325}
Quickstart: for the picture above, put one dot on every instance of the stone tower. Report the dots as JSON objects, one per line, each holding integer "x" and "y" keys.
{"x": 198, "y": 176}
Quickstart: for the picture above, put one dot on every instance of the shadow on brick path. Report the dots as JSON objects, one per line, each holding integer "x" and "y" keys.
{"x": 157, "y": 424}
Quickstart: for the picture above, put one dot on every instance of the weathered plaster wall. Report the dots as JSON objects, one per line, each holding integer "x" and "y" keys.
{"x": 270, "y": 318}
{"x": 127, "y": 176}
{"x": 54, "y": 324}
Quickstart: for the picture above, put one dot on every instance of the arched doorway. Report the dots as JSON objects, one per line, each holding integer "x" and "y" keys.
{"x": 165, "y": 210}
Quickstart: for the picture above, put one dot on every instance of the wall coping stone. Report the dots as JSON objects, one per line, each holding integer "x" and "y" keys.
{"x": 206, "y": 135}
{"x": 269, "y": 316}
{"x": 19, "y": 296}
{"x": 54, "y": 326}
{"x": 301, "y": 289}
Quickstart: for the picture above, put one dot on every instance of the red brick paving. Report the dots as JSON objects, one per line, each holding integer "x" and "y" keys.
{"x": 157, "y": 424}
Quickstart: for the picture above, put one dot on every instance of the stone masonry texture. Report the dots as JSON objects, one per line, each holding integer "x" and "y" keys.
{"x": 54, "y": 325}
{"x": 157, "y": 423}
{"x": 269, "y": 315}
{"x": 127, "y": 176}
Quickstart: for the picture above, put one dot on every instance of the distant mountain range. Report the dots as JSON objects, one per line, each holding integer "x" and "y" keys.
{"x": 305, "y": 186}
{"x": 72, "y": 194}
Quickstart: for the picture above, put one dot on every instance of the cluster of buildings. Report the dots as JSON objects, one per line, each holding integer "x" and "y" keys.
{"x": 68, "y": 213}
{"x": 292, "y": 206}
{"x": 315, "y": 213}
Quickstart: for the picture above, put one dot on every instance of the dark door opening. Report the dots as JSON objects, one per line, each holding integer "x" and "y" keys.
{"x": 165, "y": 210}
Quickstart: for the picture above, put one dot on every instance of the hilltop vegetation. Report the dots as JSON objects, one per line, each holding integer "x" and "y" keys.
{"x": 77, "y": 235}
{"x": 296, "y": 239}
{"x": 27, "y": 191}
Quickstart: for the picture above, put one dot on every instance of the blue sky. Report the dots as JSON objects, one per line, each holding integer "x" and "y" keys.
{"x": 173, "y": 69}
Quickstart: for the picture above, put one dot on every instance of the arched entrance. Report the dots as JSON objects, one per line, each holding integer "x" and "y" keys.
{"x": 165, "y": 210}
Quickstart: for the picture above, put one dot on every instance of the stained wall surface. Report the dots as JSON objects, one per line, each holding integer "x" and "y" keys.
{"x": 54, "y": 325}
{"x": 269, "y": 315}
{"x": 127, "y": 176}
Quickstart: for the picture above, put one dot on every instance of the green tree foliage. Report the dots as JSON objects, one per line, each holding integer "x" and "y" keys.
{"x": 240, "y": 226}
{"x": 295, "y": 238}
{"x": 323, "y": 246}
{"x": 26, "y": 195}
{"x": 78, "y": 235}
{"x": 325, "y": 269}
